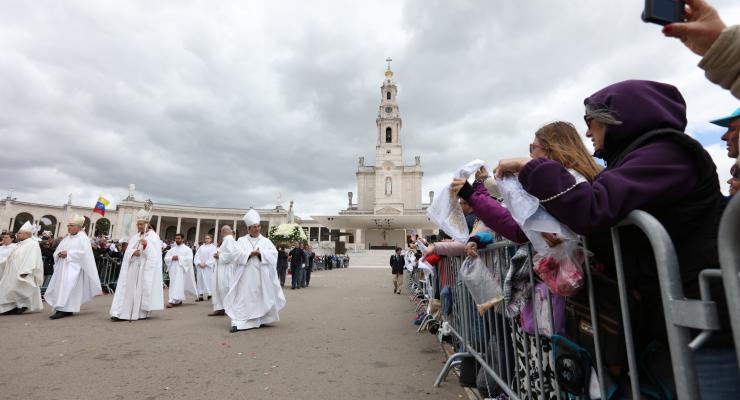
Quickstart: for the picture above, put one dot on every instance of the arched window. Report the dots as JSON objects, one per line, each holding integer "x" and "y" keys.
{"x": 169, "y": 233}
{"x": 388, "y": 95}
{"x": 388, "y": 135}
{"x": 102, "y": 227}
{"x": 48, "y": 223}
{"x": 21, "y": 219}
{"x": 190, "y": 237}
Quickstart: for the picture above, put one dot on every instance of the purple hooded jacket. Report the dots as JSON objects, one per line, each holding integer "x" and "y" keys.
{"x": 648, "y": 177}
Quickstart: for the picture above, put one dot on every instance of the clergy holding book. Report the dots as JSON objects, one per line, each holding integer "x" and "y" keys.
{"x": 223, "y": 275}
{"x": 75, "y": 280}
{"x": 179, "y": 261}
{"x": 204, "y": 265}
{"x": 140, "y": 288}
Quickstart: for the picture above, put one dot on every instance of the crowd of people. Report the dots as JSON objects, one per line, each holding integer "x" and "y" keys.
{"x": 648, "y": 163}
{"x": 300, "y": 261}
{"x": 239, "y": 276}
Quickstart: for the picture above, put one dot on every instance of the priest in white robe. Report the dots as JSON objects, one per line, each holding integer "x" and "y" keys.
{"x": 223, "y": 274}
{"x": 6, "y": 247}
{"x": 140, "y": 288}
{"x": 75, "y": 280}
{"x": 255, "y": 297}
{"x": 204, "y": 265}
{"x": 179, "y": 261}
{"x": 24, "y": 274}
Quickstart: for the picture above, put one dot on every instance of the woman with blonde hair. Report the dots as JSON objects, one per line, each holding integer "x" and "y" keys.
{"x": 558, "y": 141}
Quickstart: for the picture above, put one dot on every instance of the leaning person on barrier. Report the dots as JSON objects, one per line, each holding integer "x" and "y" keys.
{"x": 734, "y": 181}
{"x": 480, "y": 234}
{"x": 652, "y": 165}
{"x": 557, "y": 141}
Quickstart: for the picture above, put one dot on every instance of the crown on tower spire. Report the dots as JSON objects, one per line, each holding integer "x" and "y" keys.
{"x": 388, "y": 72}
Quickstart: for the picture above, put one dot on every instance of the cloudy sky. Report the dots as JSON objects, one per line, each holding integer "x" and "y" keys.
{"x": 230, "y": 103}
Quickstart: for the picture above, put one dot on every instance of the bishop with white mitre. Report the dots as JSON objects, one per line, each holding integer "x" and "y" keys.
{"x": 75, "y": 280}
{"x": 140, "y": 288}
{"x": 20, "y": 286}
{"x": 179, "y": 261}
{"x": 256, "y": 296}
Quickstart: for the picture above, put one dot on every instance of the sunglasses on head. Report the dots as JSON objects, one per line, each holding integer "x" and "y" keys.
{"x": 533, "y": 146}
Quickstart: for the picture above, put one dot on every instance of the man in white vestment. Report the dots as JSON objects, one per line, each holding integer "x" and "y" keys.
{"x": 139, "y": 290}
{"x": 204, "y": 264}
{"x": 75, "y": 280}
{"x": 24, "y": 274}
{"x": 179, "y": 261}
{"x": 223, "y": 274}
{"x": 6, "y": 247}
{"x": 255, "y": 296}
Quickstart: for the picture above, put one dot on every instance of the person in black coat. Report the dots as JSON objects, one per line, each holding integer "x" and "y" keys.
{"x": 306, "y": 278}
{"x": 282, "y": 264}
{"x": 296, "y": 257}
{"x": 397, "y": 265}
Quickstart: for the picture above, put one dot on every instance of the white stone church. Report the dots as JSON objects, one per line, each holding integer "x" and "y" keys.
{"x": 389, "y": 194}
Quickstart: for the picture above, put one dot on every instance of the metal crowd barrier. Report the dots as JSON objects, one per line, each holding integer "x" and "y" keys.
{"x": 523, "y": 365}
{"x": 728, "y": 243}
{"x": 108, "y": 271}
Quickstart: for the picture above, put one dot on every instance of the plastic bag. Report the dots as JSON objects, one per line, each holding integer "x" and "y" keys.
{"x": 445, "y": 210}
{"x": 560, "y": 268}
{"x": 479, "y": 280}
{"x": 538, "y": 309}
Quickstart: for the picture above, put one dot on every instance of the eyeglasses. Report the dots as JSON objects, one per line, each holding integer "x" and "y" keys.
{"x": 588, "y": 120}
{"x": 533, "y": 146}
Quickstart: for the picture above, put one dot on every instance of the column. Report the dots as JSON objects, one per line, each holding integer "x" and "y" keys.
{"x": 110, "y": 231}
{"x": 159, "y": 225}
{"x": 179, "y": 225}
{"x": 197, "y": 230}
{"x": 215, "y": 232}
{"x": 233, "y": 228}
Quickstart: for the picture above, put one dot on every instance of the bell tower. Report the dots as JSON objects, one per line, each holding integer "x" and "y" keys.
{"x": 389, "y": 122}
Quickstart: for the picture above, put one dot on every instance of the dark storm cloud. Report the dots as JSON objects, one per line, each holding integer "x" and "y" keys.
{"x": 230, "y": 103}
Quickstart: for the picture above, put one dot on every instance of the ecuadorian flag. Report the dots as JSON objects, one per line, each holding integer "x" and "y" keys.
{"x": 100, "y": 205}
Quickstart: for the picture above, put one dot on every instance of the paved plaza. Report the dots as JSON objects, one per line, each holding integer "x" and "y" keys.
{"x": 345, "y": 337}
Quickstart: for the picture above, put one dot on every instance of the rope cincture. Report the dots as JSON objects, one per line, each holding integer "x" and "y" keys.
{"x": 559, "y": 194}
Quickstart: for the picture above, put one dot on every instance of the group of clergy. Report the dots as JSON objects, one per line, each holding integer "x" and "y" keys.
{"x": 239, "y": 277}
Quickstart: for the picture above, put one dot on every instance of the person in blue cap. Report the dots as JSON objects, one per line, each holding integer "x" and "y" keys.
{"x": 732, "y": 123}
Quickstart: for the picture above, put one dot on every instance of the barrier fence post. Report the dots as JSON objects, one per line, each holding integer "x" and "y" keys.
{"x": 728, "y": 243}
{"x": 671, "y": 290}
